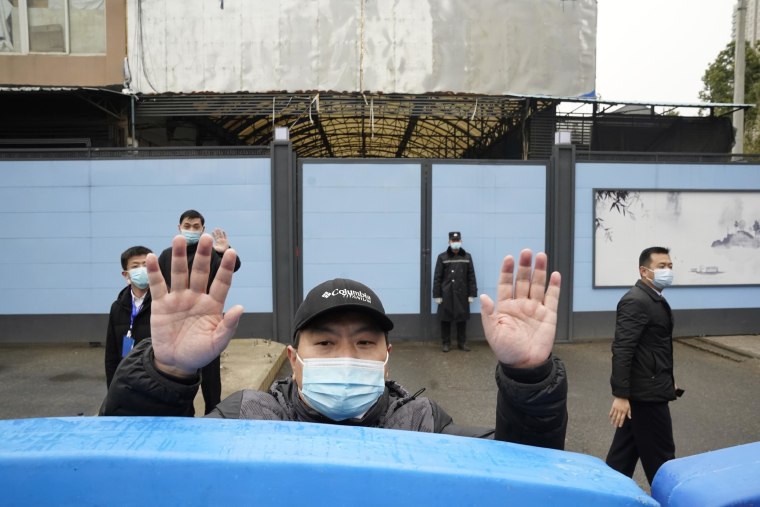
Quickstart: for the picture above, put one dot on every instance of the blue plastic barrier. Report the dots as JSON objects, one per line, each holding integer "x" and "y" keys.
{"x": 720, "y": 478}
{"x": 178, "y": 461}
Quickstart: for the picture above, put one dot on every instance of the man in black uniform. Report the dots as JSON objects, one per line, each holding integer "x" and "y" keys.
{"x": 340, "y": 356}
{"x": 454, "y": 288}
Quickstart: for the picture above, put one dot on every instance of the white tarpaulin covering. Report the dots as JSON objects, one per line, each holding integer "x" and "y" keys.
{"x": 487, "y": 47}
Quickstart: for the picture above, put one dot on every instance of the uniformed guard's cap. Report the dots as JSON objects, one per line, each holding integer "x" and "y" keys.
{"x": 344, "y": 294}
{"x": 455, "y": 236}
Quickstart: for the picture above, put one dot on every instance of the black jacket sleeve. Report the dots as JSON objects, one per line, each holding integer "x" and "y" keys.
{"x": 165, "y": 265}
{"x": 138, "y": 388}
{"x": 472, "y": 284}
{"x": 237, "y": 263}
{"x": 531, "y": 406}
{"x": 438, "y": 278}
{"x": 216, "y": 263}
{"x": 630, "y": 323}
{"x": 113, "y": 345}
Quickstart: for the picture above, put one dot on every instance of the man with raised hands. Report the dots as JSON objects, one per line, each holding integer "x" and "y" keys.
{"x": 341, "y": 339}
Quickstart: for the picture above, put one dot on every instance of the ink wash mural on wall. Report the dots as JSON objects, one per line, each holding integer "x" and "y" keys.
{"x": 714, "y": 237}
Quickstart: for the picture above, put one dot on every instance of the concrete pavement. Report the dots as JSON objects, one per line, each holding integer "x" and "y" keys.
{"x": 47, "y": 380}
{"x": 739, "y": 345}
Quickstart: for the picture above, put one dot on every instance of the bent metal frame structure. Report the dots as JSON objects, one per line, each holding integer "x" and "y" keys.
{"x": 328, "y": 125}
{"x": 352, "y": 125}
{"x": 444, "y": 126}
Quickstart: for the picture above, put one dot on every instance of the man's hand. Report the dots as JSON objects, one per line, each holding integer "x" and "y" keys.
{"x": 187, "y": 327}
{"x": 520, "y": 326}
{"x": 438, "y": 301}
{"x": 221, "y": 243}
{"x": 621, "y": 408}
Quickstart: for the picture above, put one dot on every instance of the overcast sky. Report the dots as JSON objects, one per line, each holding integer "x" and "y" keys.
{"x": 658, "y": 50}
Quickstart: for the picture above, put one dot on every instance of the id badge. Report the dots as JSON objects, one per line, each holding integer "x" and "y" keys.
{"x": 126, "y": 345}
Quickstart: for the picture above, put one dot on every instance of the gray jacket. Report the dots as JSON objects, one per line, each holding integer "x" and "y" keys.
{"x": 531, "y": 405}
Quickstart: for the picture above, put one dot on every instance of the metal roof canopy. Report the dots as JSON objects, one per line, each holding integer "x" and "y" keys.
{"x": 332, "y": 124}
{"x": 440, "y": 105}
{"x": 276, "y": 104}
{"x": 374, "y": 125}
{"x": 606, "y": 104}
{"x": 351, "y": 125}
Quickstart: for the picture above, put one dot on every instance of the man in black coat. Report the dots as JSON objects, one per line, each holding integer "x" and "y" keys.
{"x": 192, "y": 225}
{"x": 340, "y": 356}
{"x": 454, "y": 288}
{"x": 129, "y": 319}
{"x": 642, "y": 370}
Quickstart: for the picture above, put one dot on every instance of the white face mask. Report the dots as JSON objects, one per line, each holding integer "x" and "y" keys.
{"x": 191, "y": 237}
{"x": 456, "y": 245}
{"x": 139, "y": 277}
{"x": 342, "y": 387}
{"x": 662, "y": 277}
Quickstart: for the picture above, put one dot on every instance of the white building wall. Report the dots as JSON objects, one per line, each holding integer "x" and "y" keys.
{"x": 497, "y": 47}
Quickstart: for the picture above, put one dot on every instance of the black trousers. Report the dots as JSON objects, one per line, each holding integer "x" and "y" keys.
{"x": 647, "y": 436}
{"x": 211, "y": 384}
{"x": 461, "y": 332}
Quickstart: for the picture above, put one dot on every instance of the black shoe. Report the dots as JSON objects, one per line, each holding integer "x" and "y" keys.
{"x": 445, "y": 347}
{"x": 463, "y": 346}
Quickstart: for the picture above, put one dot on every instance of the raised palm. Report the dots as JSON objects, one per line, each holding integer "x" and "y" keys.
{"x": 221, "y": 242}
{"x": 521, "y": 325}
{"x": 188, "y": 328}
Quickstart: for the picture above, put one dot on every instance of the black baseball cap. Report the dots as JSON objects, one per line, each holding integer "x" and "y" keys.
{"x": 340, "y": 293}
{"x": 455, "y": 235}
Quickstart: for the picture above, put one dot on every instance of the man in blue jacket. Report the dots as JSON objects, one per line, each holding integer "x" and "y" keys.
{"x": 642, "y": 370}
{"x": 340, "y": 355}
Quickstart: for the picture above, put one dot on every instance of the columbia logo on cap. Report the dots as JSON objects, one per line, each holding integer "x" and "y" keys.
{"x": 347, "y": 293}
{"x": 340, "y": 294}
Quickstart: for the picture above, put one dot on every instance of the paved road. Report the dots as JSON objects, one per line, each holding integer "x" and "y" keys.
{"x": 721, "y": 407}
{"x": 44, "y": 380}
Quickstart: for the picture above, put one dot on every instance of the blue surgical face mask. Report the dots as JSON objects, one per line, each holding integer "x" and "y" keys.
{"x": 456, "y": 245}
{"x": 662, "y": 278}
{"x": 139, "y": 277}
{"x": 191, "y": 237}
{"x": 342, "y": 387}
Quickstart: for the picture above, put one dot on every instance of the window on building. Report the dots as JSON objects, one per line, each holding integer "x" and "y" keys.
{"x": 53, "y": 26}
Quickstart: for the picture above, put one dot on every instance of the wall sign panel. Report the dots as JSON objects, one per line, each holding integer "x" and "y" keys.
{"x": 714, "y": 237}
